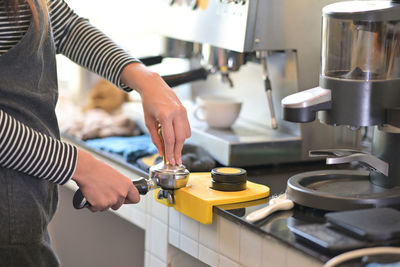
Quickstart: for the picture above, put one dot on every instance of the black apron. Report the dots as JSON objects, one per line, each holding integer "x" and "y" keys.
{"x": 28, "y": 92}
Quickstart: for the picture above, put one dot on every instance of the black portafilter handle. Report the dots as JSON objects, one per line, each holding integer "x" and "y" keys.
{"x": 80, "y": 202}
{"x": 186, "y": 77}
{"x": 151, "y": 60}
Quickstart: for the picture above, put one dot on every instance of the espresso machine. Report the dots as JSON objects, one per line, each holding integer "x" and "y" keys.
{"x": 262, "y": 51}
{"x": 359, "y": 87}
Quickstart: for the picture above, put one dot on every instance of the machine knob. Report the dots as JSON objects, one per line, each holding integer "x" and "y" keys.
{"x": 192, "y": 3}
{"x": 233, "y": 1}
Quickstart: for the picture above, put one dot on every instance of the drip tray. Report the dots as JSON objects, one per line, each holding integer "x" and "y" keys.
{"x": 336, "y": 190}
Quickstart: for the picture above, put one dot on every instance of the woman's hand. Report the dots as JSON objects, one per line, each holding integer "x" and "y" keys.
{"x": 161, "y": 107}
{"x": 103, "y": 186}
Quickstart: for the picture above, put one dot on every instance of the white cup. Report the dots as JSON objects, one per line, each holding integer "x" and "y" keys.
{"x": 217, "y": 111}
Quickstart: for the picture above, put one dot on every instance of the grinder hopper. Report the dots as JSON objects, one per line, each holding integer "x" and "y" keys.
{"x": 359, "y": 87}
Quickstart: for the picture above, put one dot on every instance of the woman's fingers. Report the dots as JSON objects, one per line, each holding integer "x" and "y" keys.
{"x": 182, "y": 131}
{"x": 175, "y": 130}
{"x": 160, "y": 105}
{"x": 133, "y": 196}
{"x": 118, "y": 204}
{"x": 152, "y": 126}
{"x": 168, "y": 135}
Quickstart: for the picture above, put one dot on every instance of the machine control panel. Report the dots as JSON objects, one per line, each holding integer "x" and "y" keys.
{"x": 202, "y": 3}
{"x": 241, "y": 25}
{"x": 222, "y": 23}
{"x": 233, "y": 1}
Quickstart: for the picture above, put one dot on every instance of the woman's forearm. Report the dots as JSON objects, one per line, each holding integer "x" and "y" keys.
{"x": 162, "y": 107}
{"x": 26, "y": 150}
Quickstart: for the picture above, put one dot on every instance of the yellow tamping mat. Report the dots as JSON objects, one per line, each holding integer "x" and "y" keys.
{"x": 197, "y": 199}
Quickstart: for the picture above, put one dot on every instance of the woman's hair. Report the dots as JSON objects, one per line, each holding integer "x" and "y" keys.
{"x": 13, "y": 5}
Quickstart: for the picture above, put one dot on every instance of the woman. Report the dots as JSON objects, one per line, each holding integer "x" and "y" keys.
{"x": 33, "y": 161}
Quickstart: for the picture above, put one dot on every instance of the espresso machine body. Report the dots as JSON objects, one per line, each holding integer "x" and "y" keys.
{"x": 271, "y": 49}
{"x": 359, "y": 87}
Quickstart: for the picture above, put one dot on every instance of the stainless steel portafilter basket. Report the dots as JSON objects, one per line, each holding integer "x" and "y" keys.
{"x": 169, "y": 177}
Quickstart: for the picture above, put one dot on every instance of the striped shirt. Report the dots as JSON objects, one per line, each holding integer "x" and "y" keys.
{"x": 24, "y": 149}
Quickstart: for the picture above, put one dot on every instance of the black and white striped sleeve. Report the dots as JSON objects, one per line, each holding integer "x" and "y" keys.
{"x": 84, "y": 44}
{"x": 25, "y": 150}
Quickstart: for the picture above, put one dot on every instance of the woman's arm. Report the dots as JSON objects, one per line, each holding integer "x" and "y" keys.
{"x": 83, "y": 43}
{"x": 26, "y": 150}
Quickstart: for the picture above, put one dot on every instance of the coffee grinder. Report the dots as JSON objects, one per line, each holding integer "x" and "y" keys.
{"x": 359, "y": 87}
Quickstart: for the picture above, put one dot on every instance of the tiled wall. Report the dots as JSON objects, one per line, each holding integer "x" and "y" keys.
{"x": 227, "y": 244}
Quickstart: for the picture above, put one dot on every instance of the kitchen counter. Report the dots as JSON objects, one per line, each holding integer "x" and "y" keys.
{"x": 275, "y": 177}
{"x": 270, "y": 234}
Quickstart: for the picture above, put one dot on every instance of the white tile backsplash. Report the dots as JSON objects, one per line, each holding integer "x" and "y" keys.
{"x": 296, "y": 258}
{"x": 208, "y": 256}
{"x": 158, "y": 239}
{"x": 160, "y": 211}
{"x": 174, "y": 237}
{"x": 226, "y": 262}
{"x": 142, "y": 203}
{"x": 138, "y": 217}
{"x": 189, "y": 246}
{"x": 228, "y": 238}
{"x": 174, "y": 219}
{"x": 156, "y": 262}
{"x": 149, "y": 202}
{"x": 250, "y": 248}
{"x": 274, "y": 253}
{"x": 208, "y": 235}
{"x": 147, "y": 259}
{"x": 190, "y": 227}
{"x": 148, "y": 232}
{"x": 125, "y": 212}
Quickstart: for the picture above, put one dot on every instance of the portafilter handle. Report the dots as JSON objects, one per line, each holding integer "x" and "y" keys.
{"x": 143, "y": 185}
{"x": 186, "y": 77}
{"x": 151, "y": 60}
{"x": 339, "y": 156}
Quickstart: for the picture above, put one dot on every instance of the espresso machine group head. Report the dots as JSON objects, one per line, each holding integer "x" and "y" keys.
{"x": 211, "y": 60}
{"x": 359, "y": 87}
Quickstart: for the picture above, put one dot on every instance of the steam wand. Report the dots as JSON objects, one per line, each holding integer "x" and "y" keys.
{"x": 268, "y": 89}
{"x": 225, "y": 76}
